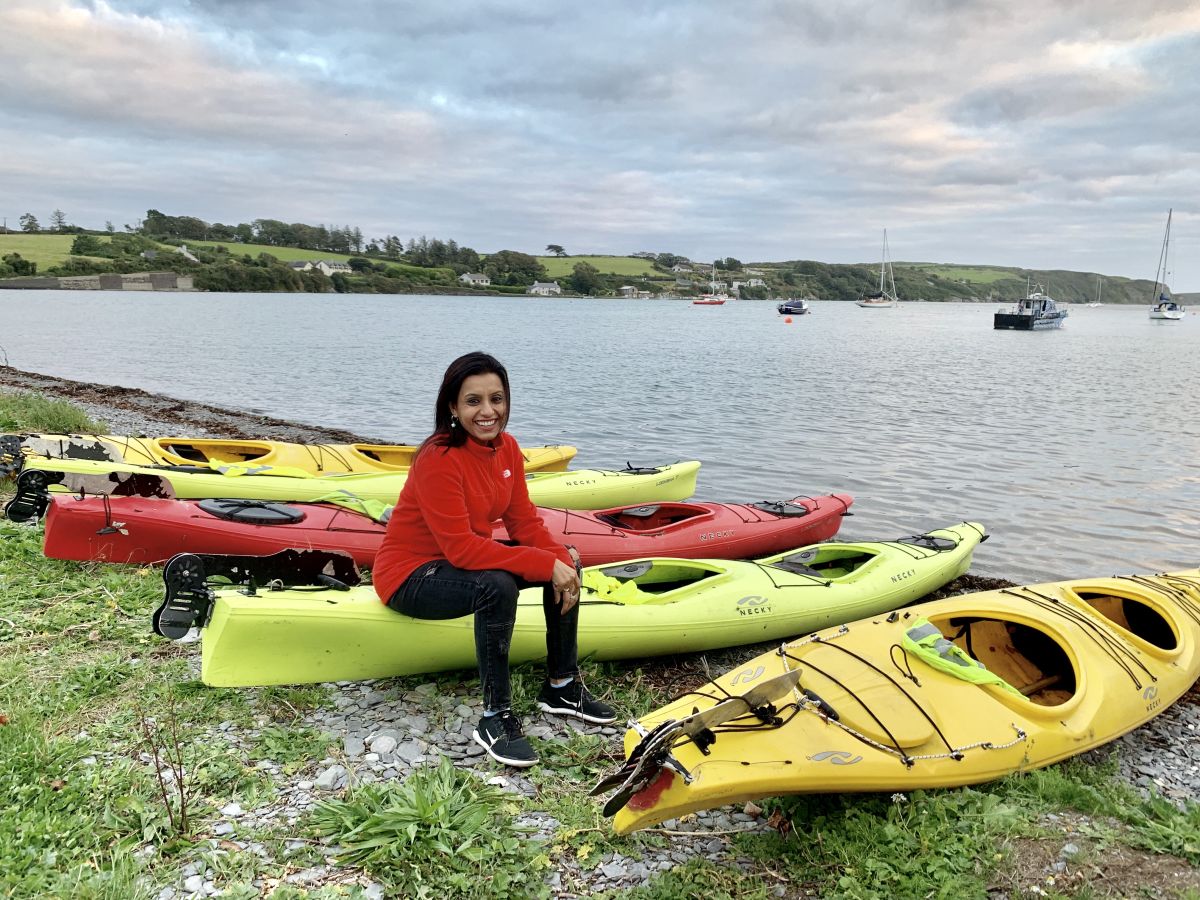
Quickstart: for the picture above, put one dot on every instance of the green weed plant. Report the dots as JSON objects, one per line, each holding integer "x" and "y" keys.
{"x": 440, "y": 833}
{"x": 292, "y": 748}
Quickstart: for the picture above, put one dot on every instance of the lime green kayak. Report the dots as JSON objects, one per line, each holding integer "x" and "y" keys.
{"x": 577, "y": 489}
{"x": 631, "y": 609}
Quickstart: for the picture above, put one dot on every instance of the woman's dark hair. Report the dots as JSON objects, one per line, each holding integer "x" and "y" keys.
{"x": 477, "y": 363}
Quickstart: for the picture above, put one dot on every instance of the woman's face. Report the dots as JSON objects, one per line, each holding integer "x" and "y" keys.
{"x": 482, "y": 407}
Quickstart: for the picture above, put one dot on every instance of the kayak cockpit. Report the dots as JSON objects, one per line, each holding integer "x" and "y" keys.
{"x": 825, "y": 561}
{"x": 645, "y": 581}
{"x": 653, "y": 518}
{"x": 1024, "y": 657}
{"x": 183, "y": 450}
{"x": 1134, "y": 616}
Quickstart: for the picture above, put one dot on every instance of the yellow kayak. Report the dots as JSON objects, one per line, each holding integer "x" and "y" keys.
{"x": 942, "y": 694}
{"x": 316, "y": 459}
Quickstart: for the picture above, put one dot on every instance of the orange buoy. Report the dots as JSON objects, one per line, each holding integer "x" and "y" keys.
{"x": 788, "y": 320}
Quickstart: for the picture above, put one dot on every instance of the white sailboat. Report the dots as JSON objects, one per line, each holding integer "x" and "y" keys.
{"x": 882, "y": 298}
{"x": 713, "y": 297}
{"x": 1164, "y": 307}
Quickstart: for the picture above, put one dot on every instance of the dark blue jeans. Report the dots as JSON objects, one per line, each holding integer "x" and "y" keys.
{"x": 438, "y": 590}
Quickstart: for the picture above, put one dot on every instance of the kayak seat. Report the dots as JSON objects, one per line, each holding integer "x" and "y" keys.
{"x": 647, "y": 518}
{"x": 797, "y": 568}
{"x": 800, "y": 563}
{"x": 253, "y": 512}
{"x": 781, "y": 508}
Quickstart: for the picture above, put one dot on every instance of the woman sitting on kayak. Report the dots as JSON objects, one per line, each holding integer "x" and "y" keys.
{"x": 438, "y": 559}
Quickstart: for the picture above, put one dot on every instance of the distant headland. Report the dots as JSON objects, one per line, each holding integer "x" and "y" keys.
{"x": 183, "y": 253}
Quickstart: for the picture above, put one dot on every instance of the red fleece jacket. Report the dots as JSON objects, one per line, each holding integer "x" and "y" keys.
{"x": 446, "y": 510}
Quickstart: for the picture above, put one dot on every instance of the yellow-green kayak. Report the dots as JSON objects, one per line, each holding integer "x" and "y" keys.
{"x": 630, "y": 609}
{"x": 577, "y": 489}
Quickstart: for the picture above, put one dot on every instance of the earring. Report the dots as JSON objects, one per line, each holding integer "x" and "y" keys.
{"x": 453, "y": 421}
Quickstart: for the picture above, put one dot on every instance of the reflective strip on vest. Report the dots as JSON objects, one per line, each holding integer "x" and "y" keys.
{"x": 928, "y": 644}
{"x": 374, "y": 509}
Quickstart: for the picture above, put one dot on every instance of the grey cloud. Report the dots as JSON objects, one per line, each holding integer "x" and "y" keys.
{"x": 1039, "y": 97}
{"x": 769, "y": 130}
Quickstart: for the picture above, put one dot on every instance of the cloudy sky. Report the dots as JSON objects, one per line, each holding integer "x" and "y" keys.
{"x": 1040, "y": 133}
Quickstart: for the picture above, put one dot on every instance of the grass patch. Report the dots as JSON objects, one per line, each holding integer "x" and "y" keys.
{"x": 284, "y": 254}
{"x": 562, "y": 266}
{"x": 442, "y": 832}
{"x": 79, "y": 672}
{"x": 701, "y": 878}
{"x": 969, "y": 274}
{"x": 1151, "y": 824}
{"x": 44, "y": 249}
{"x": 38, "y": 413}
{"x": 291, "y": 748}
{"x": 956, "y": 843}
{"x": 927, "y": 844}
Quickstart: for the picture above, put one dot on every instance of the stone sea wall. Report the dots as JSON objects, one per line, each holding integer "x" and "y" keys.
{"x": 133, "y": 281}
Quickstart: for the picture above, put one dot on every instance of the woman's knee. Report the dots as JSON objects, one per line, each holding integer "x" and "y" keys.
{"x": 498, "y": 592}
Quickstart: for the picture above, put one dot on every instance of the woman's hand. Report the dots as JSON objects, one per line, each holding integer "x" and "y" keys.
{"x": 566, "y": 586}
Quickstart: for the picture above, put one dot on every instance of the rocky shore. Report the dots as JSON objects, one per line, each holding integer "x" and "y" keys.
{"x": 134, "y": 411}
{"x": 382, "y": 731}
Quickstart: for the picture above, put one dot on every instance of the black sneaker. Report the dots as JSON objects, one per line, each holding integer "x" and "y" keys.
{"x": 574, "y": 699}
{"x": 501, "y": 736}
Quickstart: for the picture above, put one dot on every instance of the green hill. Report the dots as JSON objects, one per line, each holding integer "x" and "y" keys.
{"x": 947, "y": 282}
{"x": 801, "y": 278}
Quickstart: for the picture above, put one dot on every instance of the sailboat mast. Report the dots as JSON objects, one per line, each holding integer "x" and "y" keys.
{"x": 1160, "y": 274}
{"x": 883, "y": 261}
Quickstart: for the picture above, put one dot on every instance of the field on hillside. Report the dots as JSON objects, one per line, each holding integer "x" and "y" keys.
{"x": 44, "y": 249}
{"x": 284, "y": 254}
{"x": 562, "y": 266}
{"x": 973, "y": 275}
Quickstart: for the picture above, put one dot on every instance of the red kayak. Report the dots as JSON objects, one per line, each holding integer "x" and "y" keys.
{"x": 149, "y": 530}
{"x": 697, "y": 530}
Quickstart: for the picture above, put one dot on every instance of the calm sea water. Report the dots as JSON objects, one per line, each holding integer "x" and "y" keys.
{"x": 1079, "y": 448}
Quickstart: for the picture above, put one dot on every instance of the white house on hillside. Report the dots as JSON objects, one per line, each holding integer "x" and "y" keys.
{"x": 328, "y": 267}
{"x": 475, "y": 279}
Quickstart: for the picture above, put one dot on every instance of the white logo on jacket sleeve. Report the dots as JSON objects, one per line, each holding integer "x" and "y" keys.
{"x": 507, "y": 473}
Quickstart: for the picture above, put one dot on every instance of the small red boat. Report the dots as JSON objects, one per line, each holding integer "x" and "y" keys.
{"x": 149, "y": 530}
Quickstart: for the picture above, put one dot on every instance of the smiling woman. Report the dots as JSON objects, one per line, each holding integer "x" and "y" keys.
{"x": 439, "y": 559}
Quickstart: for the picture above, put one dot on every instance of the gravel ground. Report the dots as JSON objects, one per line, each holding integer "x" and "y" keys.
{"x": 384, "y": 733}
